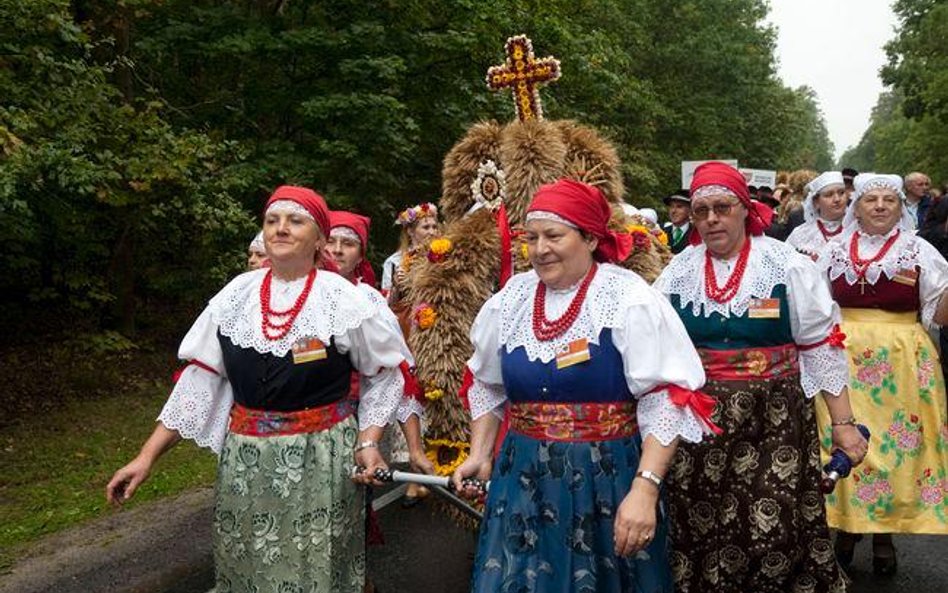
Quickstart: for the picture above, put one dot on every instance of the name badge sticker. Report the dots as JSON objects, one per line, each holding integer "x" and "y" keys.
{"x": 308, "y": 350}
{"x": 764, "y": 309}
{"x": 575, "y": 352}
{"x": 906, "y": 276}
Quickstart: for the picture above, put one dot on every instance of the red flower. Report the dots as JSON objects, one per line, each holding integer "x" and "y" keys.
{"x": 867, "y": 353}
{"x": 855, "y": 477}
{"x": 928, "y": 472}
{"x": 914, "y": 418}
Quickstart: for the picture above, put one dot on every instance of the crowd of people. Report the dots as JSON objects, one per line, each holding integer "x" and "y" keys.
{"x": 659, "y": 438}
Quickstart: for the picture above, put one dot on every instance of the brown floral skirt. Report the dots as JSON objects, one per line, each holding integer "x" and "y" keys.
{"x": 745, "y": 507}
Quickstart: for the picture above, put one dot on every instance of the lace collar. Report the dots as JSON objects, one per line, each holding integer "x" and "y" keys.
{"x": 902, "y": 255}
{"x": 334, "y": 306}
{"x": 809, "y": 239}
{"x": 612, "y": 291}
{"x": 766, "y": 268}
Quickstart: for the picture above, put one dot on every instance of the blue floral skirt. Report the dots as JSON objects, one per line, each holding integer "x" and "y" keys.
{"x": 548, "y": 522}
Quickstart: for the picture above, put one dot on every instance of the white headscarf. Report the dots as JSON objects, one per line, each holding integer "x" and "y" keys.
{"x": 257, "y": 244}
{"x": 814, "y": 188}
{"x": 865, "y": 182}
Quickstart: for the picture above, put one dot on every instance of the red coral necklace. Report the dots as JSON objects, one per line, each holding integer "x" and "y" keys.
{"x": 827, "y": 233}
{"x": 730, "y": 288}
{"x": 546, "y": 330}
{"x": 273, "y": 330}
{"x": 860, "y": 266}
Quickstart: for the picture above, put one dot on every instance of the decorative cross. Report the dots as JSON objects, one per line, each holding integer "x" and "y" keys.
{"x": 523, "y": 73}
{"x": 862, "y": 285}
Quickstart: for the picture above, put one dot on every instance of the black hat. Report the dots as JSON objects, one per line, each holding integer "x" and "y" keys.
{"x": 752, "y": 190}
{"x": 766, "y": 195}
{"x": 848, "y": 175}
{"x": 682, "y": 195}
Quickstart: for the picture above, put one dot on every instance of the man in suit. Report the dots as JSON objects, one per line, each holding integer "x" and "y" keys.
{"x": 678, "y": 228}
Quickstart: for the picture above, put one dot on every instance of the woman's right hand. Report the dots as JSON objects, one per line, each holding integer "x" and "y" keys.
{"x": 126, "y": 481}
{"x": 471, "y": 468}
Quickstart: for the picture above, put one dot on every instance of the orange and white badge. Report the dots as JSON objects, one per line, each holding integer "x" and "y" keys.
{"x": 764, "y": 309}
{"x": 308, "y": 350}
{"x": 906, "y": 276}
{"x": 575, "y": 352}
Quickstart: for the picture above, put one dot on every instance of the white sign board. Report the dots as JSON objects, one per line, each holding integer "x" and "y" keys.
{"x": 688, "y": 169}
{"x": 760, "y": 177}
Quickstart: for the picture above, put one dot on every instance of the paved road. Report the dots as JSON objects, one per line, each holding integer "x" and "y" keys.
{"x": 165, "y": 548}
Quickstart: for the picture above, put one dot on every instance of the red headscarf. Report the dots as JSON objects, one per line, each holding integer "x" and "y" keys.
{"x": 307, "y": 198}
{"x": 585, "y": 206}
{"x": 715, "y": 173}
{"x": 360, "y": 225}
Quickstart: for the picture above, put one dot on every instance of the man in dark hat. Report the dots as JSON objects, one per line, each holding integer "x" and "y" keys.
{"x": 678, "y": 228}
{"x": 766, "y": 195}
{"x": 848, "y": 175}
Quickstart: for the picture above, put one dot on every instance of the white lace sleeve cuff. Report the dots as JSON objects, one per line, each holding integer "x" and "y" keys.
{"x": 484, "y": 398}
{"x": 199, "y": 408}
{"x": 659, "y": 417}
{"x": 407, "y": 407}
{"x": 380, "y": 397}
{"x": 824, "y": 368}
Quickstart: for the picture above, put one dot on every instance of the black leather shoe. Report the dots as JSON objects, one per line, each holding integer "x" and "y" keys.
{"x": 845, "y": 547}
{"x": 884, "y": 559}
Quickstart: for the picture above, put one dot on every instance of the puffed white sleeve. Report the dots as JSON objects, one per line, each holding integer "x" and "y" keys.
{"x": 375, "y": 349}
{"x": 660, "y": 362}
{"x": 932, "y": 282}
{"x": 814, "y": 323}
{"x": 408, "y": 405}
{"x": 486, "y": 393}
{"x": 200, "y": 402}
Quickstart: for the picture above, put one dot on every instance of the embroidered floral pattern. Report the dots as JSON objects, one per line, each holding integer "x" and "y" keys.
{"x": 873, "y": 492}
{"x": 933, "y": 492}
{"x": 754, "y": 363}
{"x": 874, "y": 374}
{"x": 942, "y": 444}
{"x": 574, "y": 422}
{"x": 903, "y": 438}
{"x": 926, "y": 375}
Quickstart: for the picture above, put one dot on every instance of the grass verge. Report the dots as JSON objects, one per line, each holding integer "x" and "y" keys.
{"x": 54, "y": 467}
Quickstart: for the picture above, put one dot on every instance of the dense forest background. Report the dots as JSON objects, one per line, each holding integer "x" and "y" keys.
{"x": 139, "y": 138}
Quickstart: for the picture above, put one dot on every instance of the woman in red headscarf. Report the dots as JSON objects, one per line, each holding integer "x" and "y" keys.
{"x": 596, "y": 372}
{"x": 746, "y": 510}
{"x": 266, "y": 387}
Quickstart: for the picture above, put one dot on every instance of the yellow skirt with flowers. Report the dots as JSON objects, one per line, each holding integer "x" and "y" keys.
{"x": 898, "y": 392}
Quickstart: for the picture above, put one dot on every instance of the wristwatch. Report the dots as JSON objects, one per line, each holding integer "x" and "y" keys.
{"x": 650, "y": 476}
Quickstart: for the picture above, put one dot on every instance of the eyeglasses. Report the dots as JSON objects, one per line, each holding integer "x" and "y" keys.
{"x": 720, "y": 209}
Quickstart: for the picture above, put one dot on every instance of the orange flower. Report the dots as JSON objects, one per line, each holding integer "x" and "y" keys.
{"x": 425, "y": 316}
{"x": 756, "y": 362}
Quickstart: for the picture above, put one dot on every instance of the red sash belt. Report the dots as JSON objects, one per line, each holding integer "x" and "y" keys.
{"x": 574, "y": 422}
{"x": 750, "y": 363}
{"x": 264, "y": 423}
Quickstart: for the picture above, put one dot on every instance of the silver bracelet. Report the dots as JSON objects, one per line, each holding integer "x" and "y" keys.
{"x": 366, "y": 445}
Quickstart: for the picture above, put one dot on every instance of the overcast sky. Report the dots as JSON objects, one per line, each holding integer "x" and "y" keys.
{"x": 835, "y": 47}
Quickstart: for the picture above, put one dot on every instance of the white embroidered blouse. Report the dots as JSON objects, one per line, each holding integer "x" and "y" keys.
{"x": 650, "y": 337}
{"x": 813, "y": 313}
{"x": 200, "y": 403}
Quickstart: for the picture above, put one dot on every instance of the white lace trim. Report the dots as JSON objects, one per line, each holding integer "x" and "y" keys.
{"x": 611, "y": 292}
{"x": 823, "y": 368}
{"x": 484, "y": 397}
{"x": 766, "y": 268}
{"x": 902, "y": 255}
{"x": 344, "y": 232}
{"x": 288, "y": 207}
{"x": 381, "y": 395}
{"x": 334, "y": 306}
{"x": 659, "y": 417}
{"x": 712, "y": 190}
{"x": 551, "y": 216}
{"x": 199, "y": 408}
{"x": 808, "y": 239}
{"x": 409, "y": 406}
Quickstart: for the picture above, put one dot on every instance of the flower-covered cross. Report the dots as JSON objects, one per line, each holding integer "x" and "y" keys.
{"x": 522, "y": 73}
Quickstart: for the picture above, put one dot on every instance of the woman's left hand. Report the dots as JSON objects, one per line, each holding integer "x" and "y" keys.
{"x": 636, "y": 521}
{"x": 848, "y": 438}
{"x": 370, "y": 459}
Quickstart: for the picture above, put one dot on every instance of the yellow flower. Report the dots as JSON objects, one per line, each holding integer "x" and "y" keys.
{"x": 434, "y": 394}
{"x": 441, "y": 246}
{"x": 425, "y": 316}
{"x": 446, "y": 455}
{"x": 633, "y": 228}
{"x": 524, "y": 253}
{"x": 663, "y": 238}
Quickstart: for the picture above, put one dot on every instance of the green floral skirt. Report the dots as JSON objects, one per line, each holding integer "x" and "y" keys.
{"x": 288, "y": 519}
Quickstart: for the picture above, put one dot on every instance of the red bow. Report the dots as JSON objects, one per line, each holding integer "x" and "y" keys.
{"x": 412, "y": 387}
{"x": 836, "y": 339}
{"x": 700, "y": 403}
{"x": 466, "y": 384}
